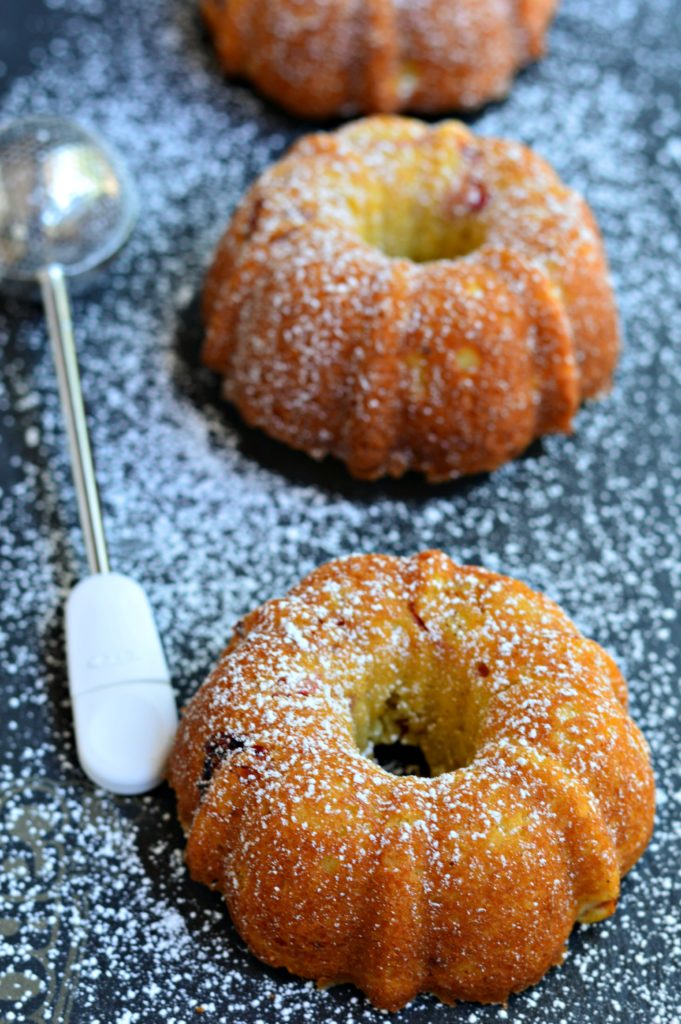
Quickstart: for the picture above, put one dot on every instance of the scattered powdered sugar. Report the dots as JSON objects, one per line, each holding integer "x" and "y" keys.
{"x": 103, "y": 924}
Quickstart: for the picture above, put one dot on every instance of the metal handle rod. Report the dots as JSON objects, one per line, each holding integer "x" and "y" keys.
{"x": 58, "y": 310}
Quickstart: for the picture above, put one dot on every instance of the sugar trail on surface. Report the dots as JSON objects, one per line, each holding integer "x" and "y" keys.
{"x": 104, "y": 925}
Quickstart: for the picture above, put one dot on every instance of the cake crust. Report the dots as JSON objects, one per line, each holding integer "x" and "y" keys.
{"x": 324, "y": 58}
{"x": 411, "y": 297}
{"x": 465, "y": 884}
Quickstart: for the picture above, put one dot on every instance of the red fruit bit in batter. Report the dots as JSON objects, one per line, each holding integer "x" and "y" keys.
{"x": 216, "y": 749}
{"x": 472, "y": 196}
{"x": 478, "y": 196}
{"x": 219, "y": 747}
{"x": 310, "y": 687}
{"x": 254, "y": 218}
{"x": 415, "y": 614}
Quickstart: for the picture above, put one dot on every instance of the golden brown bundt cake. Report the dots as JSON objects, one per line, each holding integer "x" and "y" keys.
{"x": 466, "y": 884}
{"x": 410, "y": 297}
{"x": 320, "y": 58}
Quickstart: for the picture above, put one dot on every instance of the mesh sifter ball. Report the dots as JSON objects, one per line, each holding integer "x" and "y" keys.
{"x": 65, "y": 198}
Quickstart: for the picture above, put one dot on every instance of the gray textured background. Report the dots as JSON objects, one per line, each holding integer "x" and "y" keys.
{"x": 99, "y": 921}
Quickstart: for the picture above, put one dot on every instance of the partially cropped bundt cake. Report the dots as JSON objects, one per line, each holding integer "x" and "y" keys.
{"x": 410, "y": 297}
{"x": 466, "y": 883}
{"x": 320, "y": 58}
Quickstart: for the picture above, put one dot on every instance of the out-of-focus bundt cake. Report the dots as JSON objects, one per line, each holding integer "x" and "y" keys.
{"x": 320, "y": 58}
{"x": 466, "y": 884}
{"x": 406, "y": 296}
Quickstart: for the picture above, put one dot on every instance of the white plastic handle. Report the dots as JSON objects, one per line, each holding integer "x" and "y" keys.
{"x": 123, "y": 704}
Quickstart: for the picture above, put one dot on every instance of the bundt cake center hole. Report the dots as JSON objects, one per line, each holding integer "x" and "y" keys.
{"x": 407, "y": 734}
{"x": 423, "y": 224}
{"x": 401, "y": 758}
{"x": 424, "y": 238}
{"x": 395, "y": 735}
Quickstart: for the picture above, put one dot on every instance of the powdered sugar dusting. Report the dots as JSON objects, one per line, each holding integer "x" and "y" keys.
{"x": 541, "y": 795}
{"x": 410, "y": 297}
{"x": 214, "y": 519}
{"x": 323, "y": 57}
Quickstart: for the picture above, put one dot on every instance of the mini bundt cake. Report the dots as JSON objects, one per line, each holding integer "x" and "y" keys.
{"x": 466, "y": 883}
{"x": 319, "y": 58}
{"x": 410, "y": 297}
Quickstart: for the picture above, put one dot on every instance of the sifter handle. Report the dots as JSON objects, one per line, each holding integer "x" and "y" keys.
{"x": 58, "y": 311}
{"x": 123, "y": 704}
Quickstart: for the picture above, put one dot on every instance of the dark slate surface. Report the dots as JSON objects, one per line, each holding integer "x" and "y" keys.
{"x": 99, "y": 921}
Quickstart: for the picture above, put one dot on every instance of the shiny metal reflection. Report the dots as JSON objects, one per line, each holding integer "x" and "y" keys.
{"x": 65, "y": 198}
